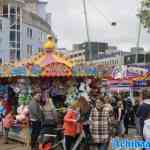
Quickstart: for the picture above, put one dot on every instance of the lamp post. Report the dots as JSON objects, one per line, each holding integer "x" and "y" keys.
{"x": 87, "y": 29}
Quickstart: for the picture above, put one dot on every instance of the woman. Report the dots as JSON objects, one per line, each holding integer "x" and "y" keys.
{"x": 36, "y": 118}
{"x": 120, "y": 118}
{"x": 71, "y": 125}
{"x": 100, "y": 125}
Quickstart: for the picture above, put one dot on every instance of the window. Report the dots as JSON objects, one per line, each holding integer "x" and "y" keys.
{"x": 12, "y": 54}
{"x": 1, "y": 26}
{"x": 12, "y": 35}
{"x": 29, "y": 33}
{"x": 18, "y": 54}
{"x": 1, "y": 11}
{"x": 5, "y": 11}
{"x": 29, "y": 50}
{"x": 12, "y": 10}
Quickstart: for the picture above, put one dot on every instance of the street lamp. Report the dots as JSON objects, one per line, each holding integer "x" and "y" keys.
{"x": 87, "y": 27}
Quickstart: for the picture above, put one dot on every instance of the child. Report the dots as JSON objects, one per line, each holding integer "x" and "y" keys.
{"x": 71, "y": 125}
{"x": 7, "y": 123}
{"x": 146, "y": 129}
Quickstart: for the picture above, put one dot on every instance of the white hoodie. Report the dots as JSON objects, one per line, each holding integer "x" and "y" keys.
{"x": 146, "y": 129}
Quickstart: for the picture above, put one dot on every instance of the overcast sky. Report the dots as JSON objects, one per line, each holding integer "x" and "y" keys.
{"x": 68, "y": 22}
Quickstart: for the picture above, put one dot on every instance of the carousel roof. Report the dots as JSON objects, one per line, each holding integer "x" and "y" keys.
{"x": 45, "y": 64}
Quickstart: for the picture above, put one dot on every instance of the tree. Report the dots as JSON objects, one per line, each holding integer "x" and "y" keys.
{"x": 145, "y": 14}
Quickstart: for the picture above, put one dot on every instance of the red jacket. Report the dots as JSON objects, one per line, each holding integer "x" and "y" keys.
{"x": 70, "y": 123}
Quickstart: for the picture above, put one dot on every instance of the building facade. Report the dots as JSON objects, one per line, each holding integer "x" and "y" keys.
{"x": 112, "y": 58}
{"x": 24, "y": 26}
{"x": 92, "y": 49}
{"x": 137, "y": 56}
{"x": 78, "y": 57}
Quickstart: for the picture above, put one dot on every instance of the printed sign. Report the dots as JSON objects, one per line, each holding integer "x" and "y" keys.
{"x": 19, "y": 71}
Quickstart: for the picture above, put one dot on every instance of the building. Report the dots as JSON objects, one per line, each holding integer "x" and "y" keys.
{"x": 92, "y": 49}
{"x": 77, "y": 56}
{"x": 112, "y": 58}
{"x": 24, "y": 26}
{"x": 136, "y": 56}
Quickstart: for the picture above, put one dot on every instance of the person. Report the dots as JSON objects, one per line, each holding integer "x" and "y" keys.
{"x": 7, "y": 124}
{"x": 70, "y": 125}
{"x": 146, "y": 129}
{"x": 107, "y": 102}
{"x": 144, "y": 108}
{"x": 2, "y": 109}
{"x": 128, "y": 107}
{"x": 120, "y": 118}
{"x": 135, "y": 108}
{"x": 100, "y": 125}
{"x": 36, "y": 118}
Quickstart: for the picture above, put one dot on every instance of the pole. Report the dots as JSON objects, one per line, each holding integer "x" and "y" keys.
{"x": 139, "y": 34}
{"x": 87, "y": 29}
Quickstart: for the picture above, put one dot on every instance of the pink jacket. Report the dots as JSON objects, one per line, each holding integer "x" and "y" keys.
{"x": 8, "y": 121}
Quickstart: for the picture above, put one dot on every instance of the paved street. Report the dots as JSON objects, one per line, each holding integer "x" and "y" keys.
{"x": 17, "y": 146}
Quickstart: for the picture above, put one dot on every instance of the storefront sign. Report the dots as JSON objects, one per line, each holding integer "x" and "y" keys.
{"x": 56, "y": 69}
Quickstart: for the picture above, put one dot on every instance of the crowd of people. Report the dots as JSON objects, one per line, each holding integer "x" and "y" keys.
{"x": 101, "y": 118}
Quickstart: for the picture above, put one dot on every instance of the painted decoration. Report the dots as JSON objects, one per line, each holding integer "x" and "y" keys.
{"x": 56, "y": 69}
{"x": 119, "y": 72}
{"x": 84, "y": 71}
{"x": 19, "y": 71}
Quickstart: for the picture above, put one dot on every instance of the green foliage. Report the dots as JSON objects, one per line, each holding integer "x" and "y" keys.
{"x": 145, "y": 13}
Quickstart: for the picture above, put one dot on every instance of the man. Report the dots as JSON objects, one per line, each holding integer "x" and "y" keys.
{"x": 36, "y": 118}
{"x": 144, "y": 109}
{"x": 100, "y": 125}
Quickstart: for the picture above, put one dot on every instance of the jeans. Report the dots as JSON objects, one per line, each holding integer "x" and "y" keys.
{"x": 103, "y": 146}
{"x": 6, "y": 134}
{"x": 69, "y": 141}
{"x": 36, "y": 127}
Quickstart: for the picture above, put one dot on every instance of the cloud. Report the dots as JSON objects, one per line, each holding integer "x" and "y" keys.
{"x": 68, "y": 22}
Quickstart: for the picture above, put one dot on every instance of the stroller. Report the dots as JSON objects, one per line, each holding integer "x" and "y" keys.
{"x": 49, "y": 134}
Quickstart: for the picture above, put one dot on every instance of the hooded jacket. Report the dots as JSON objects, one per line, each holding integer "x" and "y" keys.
{"x": 143, "y": 111}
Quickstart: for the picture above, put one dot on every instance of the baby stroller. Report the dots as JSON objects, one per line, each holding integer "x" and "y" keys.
{"x": 48, "y": 135}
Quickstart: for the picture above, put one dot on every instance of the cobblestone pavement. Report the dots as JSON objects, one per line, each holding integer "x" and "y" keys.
{"x": 17, "y": 146}
{"x": 11, "y": 146}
